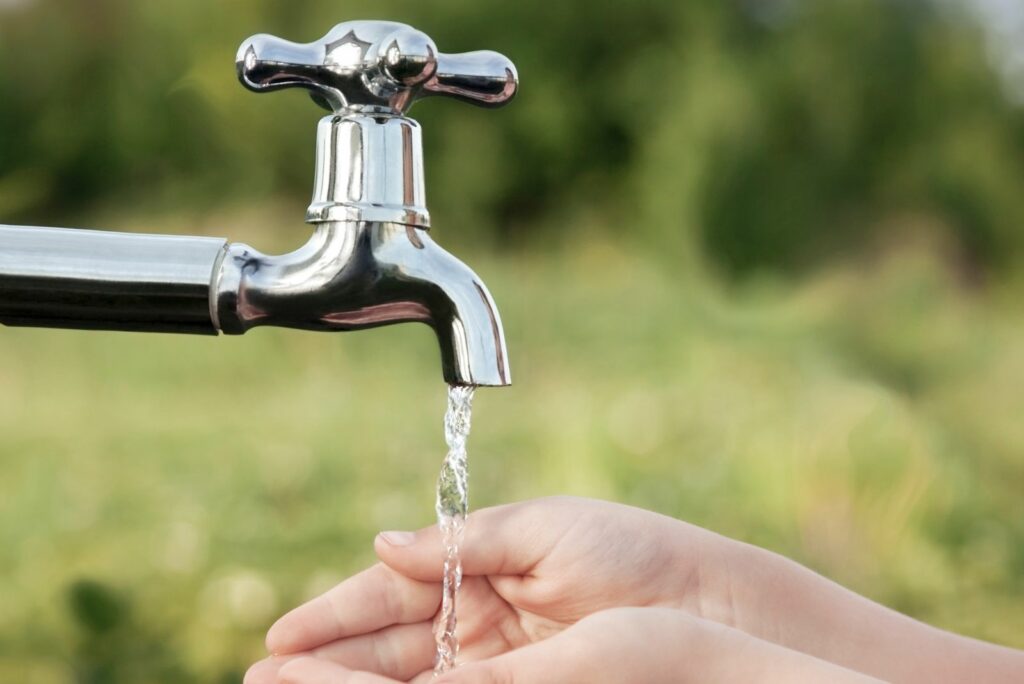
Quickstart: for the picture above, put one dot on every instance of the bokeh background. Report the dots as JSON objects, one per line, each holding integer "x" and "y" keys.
{"x": 759, "y": 262}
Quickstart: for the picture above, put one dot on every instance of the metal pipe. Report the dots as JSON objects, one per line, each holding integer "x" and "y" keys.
{"x": 370, "y": 260}
{"x": 98, "y": 280}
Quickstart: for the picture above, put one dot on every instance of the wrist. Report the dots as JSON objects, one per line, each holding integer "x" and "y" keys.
{"x": 718, "y": 578}
{"x": 778, "y": 600}
{"x": 742, "y": 581}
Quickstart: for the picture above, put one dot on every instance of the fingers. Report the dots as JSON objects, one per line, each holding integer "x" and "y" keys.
{"x": 316, "y": 671}
{"x": 651, "y": 645}
{"x": 505, "y": 540}
{"x": 563, "y": 659}
{"x": 619, "y": 646}
{"x": 367, "y": 602}
{"x": 265, "y": 671}
{"x": 400, "y": 652}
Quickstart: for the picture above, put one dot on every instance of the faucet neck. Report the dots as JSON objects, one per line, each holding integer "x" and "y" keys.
{"x": 369, "y": 167}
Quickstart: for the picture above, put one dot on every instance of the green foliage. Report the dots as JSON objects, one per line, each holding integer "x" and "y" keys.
{"x": 164, "y": 498}
{"x": 865, "y": 423}
{"x": 767, "y": 135}
{"x": 94, "y": 606}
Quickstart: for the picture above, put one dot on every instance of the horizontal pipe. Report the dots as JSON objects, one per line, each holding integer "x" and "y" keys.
{"x": 99, "y": 280}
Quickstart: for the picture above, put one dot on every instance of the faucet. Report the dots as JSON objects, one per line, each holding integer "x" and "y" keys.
{"x": 370, "y": 260}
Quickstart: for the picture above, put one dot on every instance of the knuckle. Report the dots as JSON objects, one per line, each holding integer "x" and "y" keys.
{"x": 389, "y": 594}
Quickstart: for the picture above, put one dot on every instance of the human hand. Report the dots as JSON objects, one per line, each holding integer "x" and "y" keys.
{"x": 533, "y": 570}
{"x": 617, "y": 646}
{"x": 530, "y": 570}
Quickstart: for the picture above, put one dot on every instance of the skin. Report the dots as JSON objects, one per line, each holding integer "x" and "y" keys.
{"x": 619, "y": 645}
{"x": 567, "y": 590}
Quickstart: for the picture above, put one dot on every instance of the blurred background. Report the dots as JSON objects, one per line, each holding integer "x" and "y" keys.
{"x": 759, "y": 264}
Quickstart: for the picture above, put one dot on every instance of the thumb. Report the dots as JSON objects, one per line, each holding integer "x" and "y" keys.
{"x": 504, "y": 540}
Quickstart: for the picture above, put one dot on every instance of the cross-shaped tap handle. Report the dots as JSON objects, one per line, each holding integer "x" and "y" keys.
{"x": 375, "y": 66}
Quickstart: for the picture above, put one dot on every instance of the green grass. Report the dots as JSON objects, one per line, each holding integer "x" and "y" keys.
{"x": 164, "y": 498}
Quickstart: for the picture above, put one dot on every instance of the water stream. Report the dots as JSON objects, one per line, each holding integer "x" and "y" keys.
{"x": 452, "y": 506}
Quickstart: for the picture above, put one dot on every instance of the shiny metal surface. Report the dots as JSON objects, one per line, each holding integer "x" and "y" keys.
{"x": 379, "y": 66}
{"x": 369, "y": 168}
{"x": 370, "y": 261}
{"x": 351, "y": 276}
{"x": 369, "y": 156}
{"x": 63, "y": 278}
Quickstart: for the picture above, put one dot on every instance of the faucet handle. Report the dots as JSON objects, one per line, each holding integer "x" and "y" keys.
{"x": 378, "y": 66}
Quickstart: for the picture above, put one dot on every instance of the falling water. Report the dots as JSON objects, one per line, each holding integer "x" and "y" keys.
{"x": 452, "y": 506}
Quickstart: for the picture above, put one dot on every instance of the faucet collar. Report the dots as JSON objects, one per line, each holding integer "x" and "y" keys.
{"x": 369, "y": 167}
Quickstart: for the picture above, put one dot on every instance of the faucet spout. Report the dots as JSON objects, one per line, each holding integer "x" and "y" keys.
{"x": 363, "y": 274}
{"x": 370, "y": 261}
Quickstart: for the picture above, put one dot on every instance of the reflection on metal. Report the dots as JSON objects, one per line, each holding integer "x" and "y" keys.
{"x": 369, "y": 168}
{"x": 375, "y": 66}
{"x": 370, "y": 261}
{"x": 362, "y": 275}
{"x": 63, "y": 278}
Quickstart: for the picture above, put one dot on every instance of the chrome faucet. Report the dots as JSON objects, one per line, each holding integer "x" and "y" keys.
{"x": 370, "y": 261}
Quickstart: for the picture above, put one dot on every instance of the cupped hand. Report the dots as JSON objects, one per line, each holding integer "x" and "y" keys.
{"x": 617, "y": 646}
{"x": 547, "y": 580}
{"x": 530, "y": 570}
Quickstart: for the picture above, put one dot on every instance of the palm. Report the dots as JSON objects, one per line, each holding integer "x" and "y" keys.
{"x": 492, "y": 622}
{"x": 489, "y": 624}
{"x": 526, "y": 579}
{"x": 498, "y": 613}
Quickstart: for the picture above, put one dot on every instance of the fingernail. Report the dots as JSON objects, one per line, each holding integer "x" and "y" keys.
{"x": 395, "y": 538}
